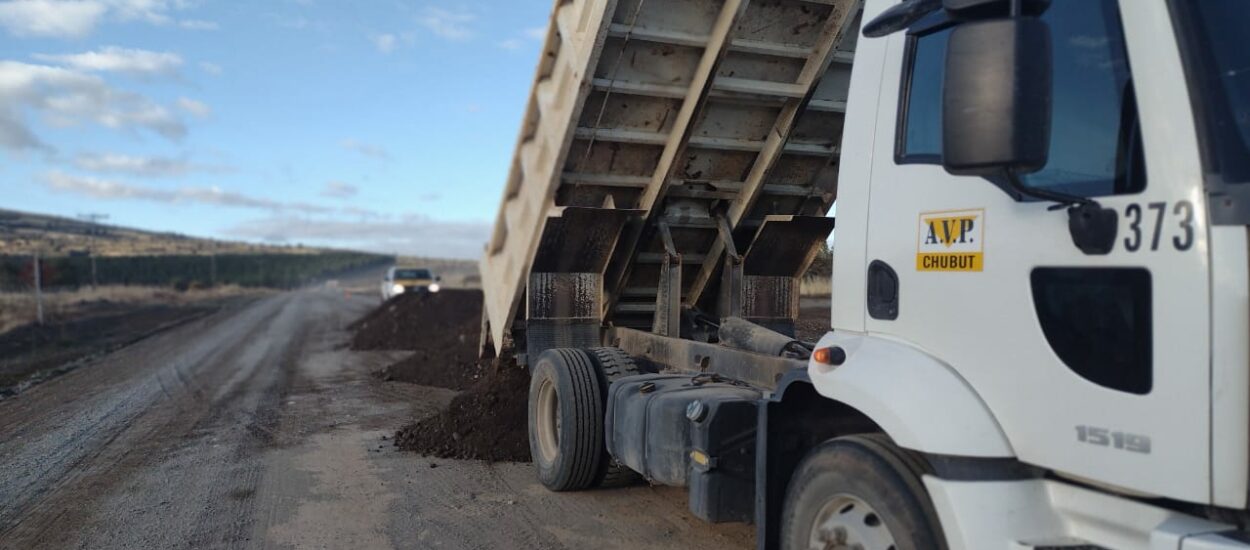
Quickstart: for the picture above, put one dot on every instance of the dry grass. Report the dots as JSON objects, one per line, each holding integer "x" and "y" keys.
{"x": 17, "y": 309}
{"x": 816, "y": 286}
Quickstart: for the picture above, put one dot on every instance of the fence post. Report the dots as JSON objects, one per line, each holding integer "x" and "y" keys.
{"x": 38, "y": 290}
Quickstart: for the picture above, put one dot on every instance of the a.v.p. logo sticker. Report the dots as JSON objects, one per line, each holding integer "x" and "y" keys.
{"x": 951, "y": 240}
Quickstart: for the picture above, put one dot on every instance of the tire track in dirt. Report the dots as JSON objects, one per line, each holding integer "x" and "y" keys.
{"x": 64, "y": 446}
{"x": 170, "y": 417}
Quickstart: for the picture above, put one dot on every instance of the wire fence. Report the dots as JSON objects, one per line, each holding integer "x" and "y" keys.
{"x": 17, "y": 273}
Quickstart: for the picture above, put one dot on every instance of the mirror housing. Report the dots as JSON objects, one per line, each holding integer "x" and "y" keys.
{"x": 899, "y": 17}
{"x": 981, "y": 9}
{"x": 996, "y": 97}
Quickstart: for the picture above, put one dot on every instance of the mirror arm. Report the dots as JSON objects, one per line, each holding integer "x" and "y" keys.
{"x": 1092, "y": 227}
{"x": 1063, "y": 199}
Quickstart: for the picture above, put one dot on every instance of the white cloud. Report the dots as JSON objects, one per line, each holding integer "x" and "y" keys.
{"x": 141, "y": 166}
{"x": 69, "y": 98}
{"x": 122, "y": 60}
{"x": 408, "y": 235}
{"x": 198, "y": 25}
{"x": 385, "y": 43}
{"x": 156, "y": 12}
{"x": 525, "y": 36}
{"x": 77, "y": 18}
{"x": 448, "y": 24}
{"x": 211, "y": 68}
{"x": 51, "y": 18}
{"x": 213, "y": 196}
{"x": 290, "y": 221}
{"x": 196, "y": 108}
{"x": 365, "y": 149}
{"x": 16, "y": 136}
{"x": 339, "y": 190}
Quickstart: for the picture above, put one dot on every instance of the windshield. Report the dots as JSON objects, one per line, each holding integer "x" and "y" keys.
{"x": 413, "y": 274}
{"x": 1218, "y": 63}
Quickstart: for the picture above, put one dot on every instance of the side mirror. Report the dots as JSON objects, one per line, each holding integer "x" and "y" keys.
{"x": 996, "y": 97}
{"x": 438, "y": 278}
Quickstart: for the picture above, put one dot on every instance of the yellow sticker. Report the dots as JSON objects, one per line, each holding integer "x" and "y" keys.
{"x": 951, "y": 240}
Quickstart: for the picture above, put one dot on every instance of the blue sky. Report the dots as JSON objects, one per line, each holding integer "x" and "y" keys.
{"x": 380, "y": 125}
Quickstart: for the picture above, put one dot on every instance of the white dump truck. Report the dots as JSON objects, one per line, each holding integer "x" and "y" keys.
{"x": 1040, "y": 326}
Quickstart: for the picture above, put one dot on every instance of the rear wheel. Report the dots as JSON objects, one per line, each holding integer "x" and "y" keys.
{"x": 859, "y": 492}
{"x": 566, "y": 420}
{"x": 614, "y": 364}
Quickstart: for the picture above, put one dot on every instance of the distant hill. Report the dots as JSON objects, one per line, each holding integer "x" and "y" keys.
{"x": 22, "y": 233}
{"x": 127, "y": 256}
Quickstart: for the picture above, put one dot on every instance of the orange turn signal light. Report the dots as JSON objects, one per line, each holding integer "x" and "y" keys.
{"x": 832, "y": 355}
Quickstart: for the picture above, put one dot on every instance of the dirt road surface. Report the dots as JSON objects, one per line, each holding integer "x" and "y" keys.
{"x": 254, "y": 427}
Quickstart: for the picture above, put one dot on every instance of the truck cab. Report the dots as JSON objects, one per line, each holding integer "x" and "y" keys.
{"x": 1041, "y": 267}
{"x": 1118, "y": 369}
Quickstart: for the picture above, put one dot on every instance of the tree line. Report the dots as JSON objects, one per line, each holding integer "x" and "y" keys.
{"x": 188, "y": 271}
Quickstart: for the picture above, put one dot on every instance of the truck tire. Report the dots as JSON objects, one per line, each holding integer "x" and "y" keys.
{"x": 859, "y": 491}
{"x": 614, "y": 364}
{"x": 566, "y": 420}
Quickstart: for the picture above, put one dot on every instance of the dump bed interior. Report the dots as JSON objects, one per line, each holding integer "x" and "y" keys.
{"x": 660, "y": 135}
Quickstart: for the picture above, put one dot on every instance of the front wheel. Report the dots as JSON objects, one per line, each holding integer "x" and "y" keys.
{"x": 859, "y": 492}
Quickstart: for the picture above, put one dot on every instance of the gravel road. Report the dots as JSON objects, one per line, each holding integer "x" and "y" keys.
{"x": 255, "y": 428}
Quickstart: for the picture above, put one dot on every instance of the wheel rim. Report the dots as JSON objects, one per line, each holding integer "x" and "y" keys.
{"x": 847, "y": 522}
{"x": 547, "y": 422}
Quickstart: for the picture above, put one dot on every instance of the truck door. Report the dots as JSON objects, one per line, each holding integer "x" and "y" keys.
{"x": 1096, "y": 366}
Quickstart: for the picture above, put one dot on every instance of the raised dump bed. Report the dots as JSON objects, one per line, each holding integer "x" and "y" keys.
{"x": 670, "y": 148}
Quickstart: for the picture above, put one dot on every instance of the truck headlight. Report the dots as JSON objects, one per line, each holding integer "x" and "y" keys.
{"x": 397, "y": 289}
{"x": 433, "y": 287}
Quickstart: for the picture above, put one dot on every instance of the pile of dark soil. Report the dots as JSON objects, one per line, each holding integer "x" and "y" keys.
{"x": 436, "y": 322}
{"x": 456, "y": 370}
{"x": 488, "y": 421}
{"x": 440, "y": 329}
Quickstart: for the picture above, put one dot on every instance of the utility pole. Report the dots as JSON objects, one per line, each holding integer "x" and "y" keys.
{"x": 212, "y": 265}
{"x": 38, "y": 289}
{"x": 93, "y": 218}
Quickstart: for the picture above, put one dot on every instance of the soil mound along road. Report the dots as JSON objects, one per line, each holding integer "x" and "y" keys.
{"x": 420, "y": 321}
{"x": 488, "y": 420}
{"x": 440, "y": 329}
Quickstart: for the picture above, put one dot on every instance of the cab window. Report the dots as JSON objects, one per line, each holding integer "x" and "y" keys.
{"x": 413, "y": 274}
{"x": 1095, "y": 144}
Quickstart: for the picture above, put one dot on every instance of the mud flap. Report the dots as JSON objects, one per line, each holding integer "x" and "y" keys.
{"x": 763, "y": 287}
{"x": 564, "y": 295}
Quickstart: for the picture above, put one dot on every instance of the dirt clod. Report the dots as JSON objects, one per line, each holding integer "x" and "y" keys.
{"x": 487, "y": 421}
